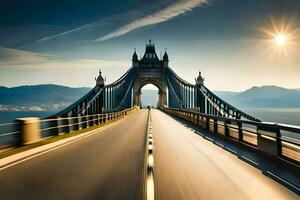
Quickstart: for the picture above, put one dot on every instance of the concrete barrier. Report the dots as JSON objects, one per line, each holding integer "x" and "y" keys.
{"x": 266, "y": 141}
{"x": 262, "y": 136}
{"x": 29, "y": 131}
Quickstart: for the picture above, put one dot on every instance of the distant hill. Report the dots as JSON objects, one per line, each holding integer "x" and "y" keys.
{"x": 39, "y": 97}
{"x": 225, "y": 95}
{"x": 255, "y": 97}
{"x": 263, "y": 97}
{"x": 56, "y": 97}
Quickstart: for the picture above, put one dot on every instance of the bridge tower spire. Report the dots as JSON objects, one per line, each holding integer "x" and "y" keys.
{"x": 199, "y": 80}
{"x": 100, "y": 80}
{"x": 135, "y": 59}
{"x": 199, "y": 99}
{"x": 150, "y": 70}
{"x": 166, "y": 59}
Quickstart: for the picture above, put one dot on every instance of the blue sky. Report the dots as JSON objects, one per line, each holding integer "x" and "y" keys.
{"x": 66, "y": 42}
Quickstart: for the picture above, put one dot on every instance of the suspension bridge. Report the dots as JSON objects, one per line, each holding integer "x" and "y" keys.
{"x": 195, "y": 146}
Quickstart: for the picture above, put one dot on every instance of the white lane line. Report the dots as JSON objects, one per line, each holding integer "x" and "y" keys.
{"x": 278, "y": 177}
{"x": 232, "y": 151}
{"x": 250, "y": 160}
{"x": 150, "y": 161}
{"x": 17, "y": 158}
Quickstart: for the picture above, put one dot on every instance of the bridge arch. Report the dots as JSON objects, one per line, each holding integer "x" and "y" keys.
{"x": 174, "y": 92}
{"x": 157, "y": 83}
{"x": 149, "y": 96}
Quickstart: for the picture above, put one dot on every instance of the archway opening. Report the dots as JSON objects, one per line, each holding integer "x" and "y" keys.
{"x": 149, "y": 96}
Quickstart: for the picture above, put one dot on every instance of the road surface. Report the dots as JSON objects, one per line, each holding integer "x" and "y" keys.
{"x": 186, "y": 166}
{"x": 109, "y": 165}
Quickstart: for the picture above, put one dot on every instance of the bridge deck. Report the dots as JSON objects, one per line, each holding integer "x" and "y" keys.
{"x": 186, "y": 166}
{"x": 109, "y": 165}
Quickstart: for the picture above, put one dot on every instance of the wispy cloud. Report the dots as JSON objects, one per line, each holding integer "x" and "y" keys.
{"x": 165, "y": 13}
{"x": 160, "y": 16}
{"x": 64, "y": 33}
{"x": 9, "y": 56}
{"x": 14, "y": 58}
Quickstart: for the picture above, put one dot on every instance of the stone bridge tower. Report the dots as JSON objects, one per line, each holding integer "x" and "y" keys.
{"x": 150, "y": 70}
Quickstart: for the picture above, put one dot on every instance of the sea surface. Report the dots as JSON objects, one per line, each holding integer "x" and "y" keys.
{"x": 11, "y": 116}
{"x": 284, "y": 116}
{"x": 7, "y": 131}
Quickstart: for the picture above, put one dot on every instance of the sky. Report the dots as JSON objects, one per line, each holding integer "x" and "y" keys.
{"x": 233, "y": 42}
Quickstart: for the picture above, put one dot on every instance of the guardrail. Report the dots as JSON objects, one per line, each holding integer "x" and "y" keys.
{"x": 278, "y": 140}
{"x": 26, "y": 131}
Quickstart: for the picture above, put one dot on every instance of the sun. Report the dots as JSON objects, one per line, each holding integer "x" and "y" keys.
{"x": 280, "y": 39}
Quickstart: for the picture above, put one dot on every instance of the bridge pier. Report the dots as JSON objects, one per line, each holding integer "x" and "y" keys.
{"x": 137, "y": 98}
{"x": 162, "y": 98}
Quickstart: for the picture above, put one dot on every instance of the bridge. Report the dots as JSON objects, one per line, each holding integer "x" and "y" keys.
{"x": 194, "y": 146}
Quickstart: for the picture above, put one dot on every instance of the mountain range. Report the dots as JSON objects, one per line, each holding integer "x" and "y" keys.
{"x": 263, "y": 97}
{"x": 57, "y": 97}
{"x": 39, "y": 97}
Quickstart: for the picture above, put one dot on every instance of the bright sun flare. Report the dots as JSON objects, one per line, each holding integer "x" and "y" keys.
{"x": 280, "y": 39}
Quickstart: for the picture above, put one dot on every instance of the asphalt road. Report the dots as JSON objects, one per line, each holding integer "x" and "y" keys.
{"x": 107, "y": 165}
{"x": 186, "y": 166}
{"x": 110, "y": 164}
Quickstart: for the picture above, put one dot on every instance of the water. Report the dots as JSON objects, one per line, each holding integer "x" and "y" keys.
{"x": 7, "y": 117}
{"x": 283, "y": 116}
{"x": 11, "y": 116}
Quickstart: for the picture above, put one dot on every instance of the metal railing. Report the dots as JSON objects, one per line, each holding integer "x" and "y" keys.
{"x": 8, "y": 132}
{"x": 278, "y": 140}
{"x": 11, "y": 134}
{"x": 188, "y": 99}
